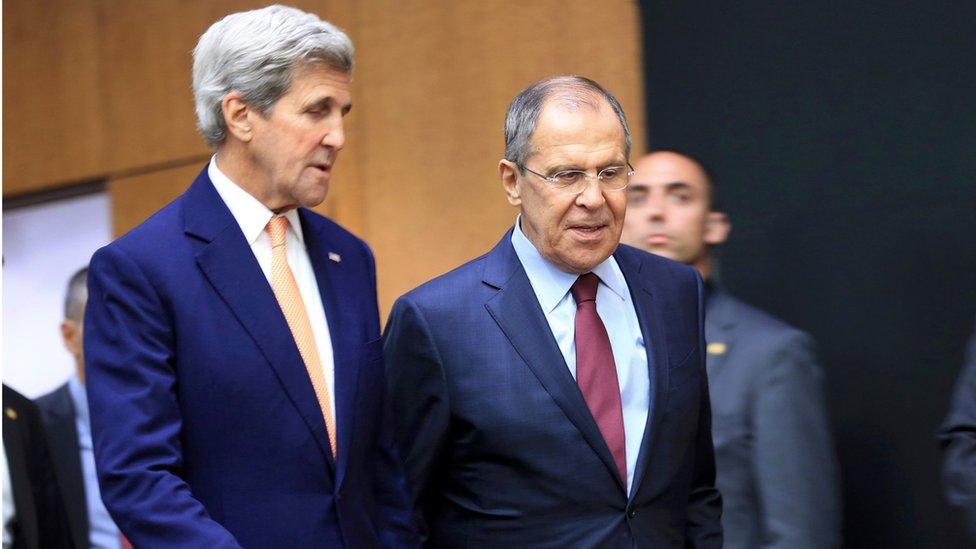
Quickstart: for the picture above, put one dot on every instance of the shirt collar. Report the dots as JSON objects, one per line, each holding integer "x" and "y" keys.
{"x": 250, "y": 213}
{"x": 552, "y": 283}
{"x": 78, "y": 396}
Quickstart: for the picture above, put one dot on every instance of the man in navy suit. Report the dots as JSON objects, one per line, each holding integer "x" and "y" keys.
{"x": 235, "y": 367}
{"x": 774, "y": 453}
{"x": 552, "y": 393}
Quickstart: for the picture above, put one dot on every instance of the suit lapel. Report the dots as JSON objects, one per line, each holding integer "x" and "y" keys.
{"x": 332, "y": 280}
{"x": 648, "y": 309}
{"x": 517, "y": 312}
{"x": 229, "y": 264}
{"x": 65, "y": 453}
{"x": 718, "y": 331}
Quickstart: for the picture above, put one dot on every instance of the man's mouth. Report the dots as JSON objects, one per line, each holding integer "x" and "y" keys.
{"x": 658, "y": 239}
{"x": 587, "y": 231}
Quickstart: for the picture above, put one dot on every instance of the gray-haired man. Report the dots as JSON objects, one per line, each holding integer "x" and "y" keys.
{"x": 235, "y": 371}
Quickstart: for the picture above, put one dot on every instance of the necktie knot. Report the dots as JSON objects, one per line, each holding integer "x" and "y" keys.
{"x": 276, "y": 230}
{"x": 584, "y": 289}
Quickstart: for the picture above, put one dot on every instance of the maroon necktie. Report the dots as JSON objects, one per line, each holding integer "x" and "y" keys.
{"x": 596, "y": 372}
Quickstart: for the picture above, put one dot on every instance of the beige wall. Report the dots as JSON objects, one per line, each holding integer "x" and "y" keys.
{"x": 104, "y": 92}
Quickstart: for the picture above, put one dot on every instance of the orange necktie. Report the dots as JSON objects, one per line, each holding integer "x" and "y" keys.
{"x": 290, "y": 299}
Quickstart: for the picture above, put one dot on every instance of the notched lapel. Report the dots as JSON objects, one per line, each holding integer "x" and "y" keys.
{"x": 648, "y": 309}
{"x": 233, "y": 271}
{"x": 517, "y": 312}
{"x": 333, "y": 279}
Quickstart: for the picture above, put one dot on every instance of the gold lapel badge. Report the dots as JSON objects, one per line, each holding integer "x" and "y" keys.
{"x": 11, "y": 413}
{"x": 716, "y": 348}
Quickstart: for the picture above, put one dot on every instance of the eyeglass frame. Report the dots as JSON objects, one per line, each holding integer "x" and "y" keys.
{"x": 551, "y": 179}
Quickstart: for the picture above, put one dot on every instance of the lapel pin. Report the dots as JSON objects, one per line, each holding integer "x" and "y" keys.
{"x": 11, "y": 413}
{"x": 716, "y": 348}
{"x": 335, "y": 257}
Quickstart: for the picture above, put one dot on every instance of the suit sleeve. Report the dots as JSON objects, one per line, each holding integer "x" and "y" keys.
{"x": 795, "y": 464}
{"x": 131, "y": 381}
{"x": 958, "y": 439}
{"x": 704, "y": 503}
{"x": 397, "y": 527}
{"x": 420, "y": 400}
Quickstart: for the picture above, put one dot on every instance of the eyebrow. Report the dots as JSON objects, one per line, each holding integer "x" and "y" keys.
{"x": 326, "y": 101}
{"x": 563, "y": 167}
{"x": 670, "y": 186}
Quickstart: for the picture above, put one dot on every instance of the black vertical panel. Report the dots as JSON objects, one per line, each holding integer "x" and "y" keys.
{"x": 843, "y": 135}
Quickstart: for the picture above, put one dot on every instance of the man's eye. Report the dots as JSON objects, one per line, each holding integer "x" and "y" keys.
{"x": 610, "y": 173}
{"x": 567, "y": 177}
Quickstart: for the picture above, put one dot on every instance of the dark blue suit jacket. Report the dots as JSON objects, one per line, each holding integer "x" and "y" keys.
{"x": 206, "y": 428}
{"x": 500, "y": 447}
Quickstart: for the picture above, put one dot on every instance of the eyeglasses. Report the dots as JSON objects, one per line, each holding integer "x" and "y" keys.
{"x": 611, "y": 178}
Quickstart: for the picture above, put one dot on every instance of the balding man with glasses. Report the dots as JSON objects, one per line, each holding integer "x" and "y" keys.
{"x": 552, "y": 393}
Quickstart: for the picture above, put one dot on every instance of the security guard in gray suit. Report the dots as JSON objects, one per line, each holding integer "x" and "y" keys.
{"x": 774, "y": 456}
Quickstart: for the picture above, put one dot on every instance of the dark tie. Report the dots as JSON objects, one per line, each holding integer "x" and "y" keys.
{"x": 596, "y": 372}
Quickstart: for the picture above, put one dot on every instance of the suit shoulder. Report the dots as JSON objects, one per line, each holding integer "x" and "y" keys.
{"x": 152, "y": 234}
{"x": 52, "y": 400}
{"x": 762, "y": 326}
{"x": 660, "y": 269}
{"x": 458, "y": 282}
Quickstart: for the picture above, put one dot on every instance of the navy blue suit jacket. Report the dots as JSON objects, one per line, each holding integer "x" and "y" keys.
{"x": 206, "y": 428}
{"x": 500, "y": 448}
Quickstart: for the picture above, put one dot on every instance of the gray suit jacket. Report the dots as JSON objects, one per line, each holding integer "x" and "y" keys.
{"x": 775, "y": 461}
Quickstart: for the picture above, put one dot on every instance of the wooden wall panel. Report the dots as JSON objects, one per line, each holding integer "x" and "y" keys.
{"x": 106, "y": 93}
{"x": 137, "y": 197}
{"x": 53, "y": 122}
{"x": 434, "y": 80}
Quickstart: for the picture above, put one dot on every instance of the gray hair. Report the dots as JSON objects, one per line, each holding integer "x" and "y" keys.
{"x": 255, "y": 53}
{"x": 77, "y": 295}
{"x": 523, "y": 112}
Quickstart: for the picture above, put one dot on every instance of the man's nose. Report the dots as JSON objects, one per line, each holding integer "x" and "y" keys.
{"x": 335, "y": 137}
{"x": 592, "y": 195}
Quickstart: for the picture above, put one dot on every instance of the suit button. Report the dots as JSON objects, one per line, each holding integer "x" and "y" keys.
{"x": 632, "y": 512}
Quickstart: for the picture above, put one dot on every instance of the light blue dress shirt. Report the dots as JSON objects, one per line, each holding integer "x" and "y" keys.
{"x": 615, "y": 307}
{"x": 102, "y": 534}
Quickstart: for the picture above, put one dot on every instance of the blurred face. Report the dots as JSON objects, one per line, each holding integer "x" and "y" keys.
{"x": 668, "y": 210}
{"x": 574, "y": 232}
{"x": 72, "y": 333}
{"x": 294, "y": 145}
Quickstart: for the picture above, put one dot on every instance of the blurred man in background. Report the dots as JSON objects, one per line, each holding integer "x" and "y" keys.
{"x": 33, "y": 510}
{"x": 958, "y": 437}
{"x": 775, "y": 460}
{"x": 65, "y": 413}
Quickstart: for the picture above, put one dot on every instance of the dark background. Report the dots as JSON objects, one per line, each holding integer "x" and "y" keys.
{"x": 843, "y": 136}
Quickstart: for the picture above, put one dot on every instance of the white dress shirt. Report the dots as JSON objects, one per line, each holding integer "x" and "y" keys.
{"x": 616, "y": 310}
{"x": 253, "y": 217}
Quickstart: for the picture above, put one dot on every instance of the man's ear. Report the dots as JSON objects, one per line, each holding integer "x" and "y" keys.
{"x": 509, "y": 172}
{"x": 237, "y": 116}
{"x": 69, "y": 335}
{"x": 717, "y": 228}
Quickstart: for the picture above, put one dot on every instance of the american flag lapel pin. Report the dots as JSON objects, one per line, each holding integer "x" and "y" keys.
{"x": 335, "y": 257}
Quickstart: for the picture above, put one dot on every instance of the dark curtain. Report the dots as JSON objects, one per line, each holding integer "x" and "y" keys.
{"x": 843, "y": 138}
